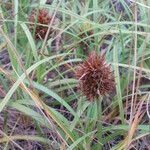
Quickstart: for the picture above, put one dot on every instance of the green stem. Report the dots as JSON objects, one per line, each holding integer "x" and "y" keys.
{"x": 99, "y": 124}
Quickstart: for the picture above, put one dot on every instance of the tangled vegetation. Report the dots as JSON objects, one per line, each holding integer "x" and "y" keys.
{"x": 74, "y": 75}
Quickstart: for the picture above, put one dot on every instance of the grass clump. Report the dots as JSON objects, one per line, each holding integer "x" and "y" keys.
{"x": 42, "y": 43}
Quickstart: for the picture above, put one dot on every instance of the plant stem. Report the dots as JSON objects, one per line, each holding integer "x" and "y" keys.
{"x": 99, "y": 124}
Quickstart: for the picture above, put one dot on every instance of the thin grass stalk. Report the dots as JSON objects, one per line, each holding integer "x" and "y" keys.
{"x": 99, "y": 124}
{"x": 118, "y": 86}
{"x": 134, "y": 73}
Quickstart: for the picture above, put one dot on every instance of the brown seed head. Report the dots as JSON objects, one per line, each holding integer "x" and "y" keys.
{"x": 40, "y": 17}
{"x": 95, "y": 76}
{"x": 85, "y": 31}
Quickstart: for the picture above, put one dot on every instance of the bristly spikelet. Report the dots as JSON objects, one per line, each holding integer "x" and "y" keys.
{"x": 42, "y": 19}
{"x": 95, "y": 77}
{"x": 85, "y": 31}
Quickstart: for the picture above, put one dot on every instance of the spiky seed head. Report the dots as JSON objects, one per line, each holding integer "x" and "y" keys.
{"x": 86, "y": 30}
{"x": 42, "y": 19}
{"x": 95, "y": 76}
